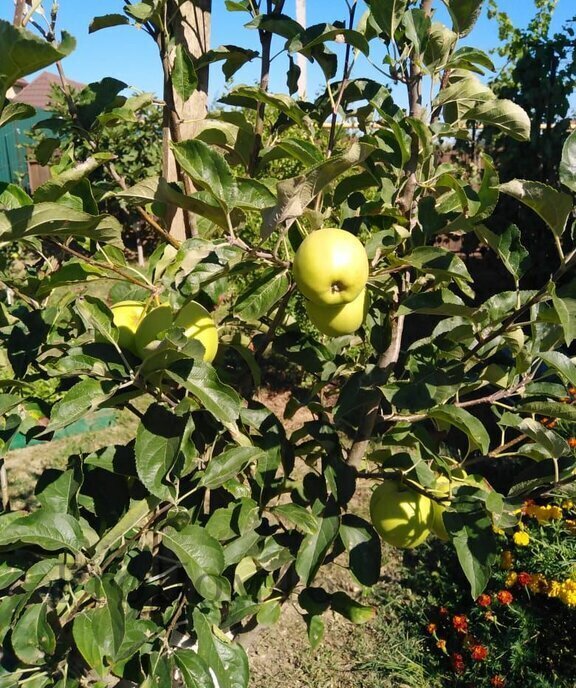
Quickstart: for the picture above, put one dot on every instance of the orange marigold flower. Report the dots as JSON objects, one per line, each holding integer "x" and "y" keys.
{"x": 457, "y": 661}
{"x": 489, "y": 616}
{"x": 460, "y": 623}
{"x": 479, "y": 653}
{"x": 484, "y": 600}
{"x": 498, "y": 681}
{"x": 511, "y": 579}
{"x": 441, "y": 645}
{"x": 505, "y": 597}
{"x": 442, "y": 611}
{"x": 524, "y": 578}
{"x": 572, "y": 442}
{"x": 431, "y": 628}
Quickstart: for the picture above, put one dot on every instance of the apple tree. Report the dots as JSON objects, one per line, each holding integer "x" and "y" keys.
{"x": 150, "y": 561}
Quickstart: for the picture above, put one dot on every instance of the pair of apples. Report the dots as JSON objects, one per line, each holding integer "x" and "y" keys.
{"x": 331, "y": 270}
{"x": 404, "y": 518}
{"x": 140, "y": 329}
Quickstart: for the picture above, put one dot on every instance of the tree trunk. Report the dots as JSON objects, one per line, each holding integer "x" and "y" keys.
{"x": 188, "y": 25}
{"x": 301, "y": 60}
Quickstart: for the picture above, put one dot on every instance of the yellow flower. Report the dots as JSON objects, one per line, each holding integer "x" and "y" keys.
{"x": 554, "y": 588}
{"x": 521, "y": 538}
{"x": 567, "y": 504}
{"x": 538, "y": 583}
{"x": 511, "y": 578}
{"x": 543, "y": 514}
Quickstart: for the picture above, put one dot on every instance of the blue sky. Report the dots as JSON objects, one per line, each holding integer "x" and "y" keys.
{"x": 130, "y": 55}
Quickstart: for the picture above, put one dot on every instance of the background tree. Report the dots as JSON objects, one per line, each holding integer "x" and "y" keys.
{"x": 539, "y": 75}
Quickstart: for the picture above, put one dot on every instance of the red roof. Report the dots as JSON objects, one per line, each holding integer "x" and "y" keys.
{"x": 39, "y": 92}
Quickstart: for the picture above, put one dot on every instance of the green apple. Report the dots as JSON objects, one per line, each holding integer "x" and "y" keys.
{"x": 331, "y": 267}
{"x": 126, "y": 315}
{"x": 338, "y": 320}
{"x": 496, "y": 375}
{"x": 442, "y": 489}
{"x": 146, "y": 337}
{"x": 401, "y": 516}
{"x": 197, "y": 324}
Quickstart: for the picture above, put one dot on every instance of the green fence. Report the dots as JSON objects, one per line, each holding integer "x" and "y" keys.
{"x": 14, "y": 141}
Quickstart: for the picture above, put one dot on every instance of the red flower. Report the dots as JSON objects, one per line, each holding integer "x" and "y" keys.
{"x": 479, "y": 653}
{"x": 457, "y": 662}
{"x": 524, "y": 578}
{"x": 484, "y": 600}
{"x": 498, "y": 681}
{"x": 431, "y": 628}
{"x": 442, "y": 611}
{"x": 505, "y": 597}
{"x": 460, "y": 623}
{"x": 572, "y": 442}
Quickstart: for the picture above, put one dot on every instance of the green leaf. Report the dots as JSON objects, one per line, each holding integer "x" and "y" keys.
{"x": 387, "y": 15}
{"x": 71, "y": 273}
{"x": 438, "y": 302}
{"x": 22, "y": 53}
{"x": 473, "y": 539}
{"x": 568, "y": 162}
{"x": 318, "y": 34}
{"x": 82, "y": 398}
{"x": 471, "y": 58}
{"x": 504, "y": 115}
{"x": 463, "y": 420}
{"x": 229, "y": 464}
{"x": 202, "y": 381}
{"x": 58, "y": 221}
{"x": 201, "y": 556}
{"x": 8, "y": 575}
{"x": 298, "y": 149}
{"x": 250, "y": 96}
{"x": 184, "y": 77}
{"x": 207, "y": 169}
{"x": 49, "y": 530}
{"x": 303, "y": 519}
{"x": 15, "y": 111}
{"x": 551, "y": 442}
{"x": 350, "y": 609}
{"x": 554, "y": 207}
{"x": 464, "y": 14}
{"x": 59, "y": 495}
{"x": 33, "y": 638}
{"x": 438, "y": 261}
{"x": 315, "y": 628}
{"x": 262, "y": 295}
{"x": 253, "y": 195}
{"x": 227, "y": 660}
{"x": 440, "y": 43}
{"x": 107, "y": 20}
{"x": 562, "y": 363}
{"x": 549, "y": 409}
{"x": 233, "y": 57}
{"x": 86, "y": 641}
{"x": 363, "y": 546}
{"x": 294, "y": 195}
{"x": 158, "y": 441}
{"x": 315, "y": 547}
{"x": 157, "y": 189}
{"x": 508, "y": 247}
{"x": 98, "y": 97}
{"x": 417, "y": 28}
{"x": 564, "y": 300}
{"x": 194, "y": 671}
{"x": 108, "y": 620}
{"x": 56, "y": 187}
{"x": 13, "y": 196}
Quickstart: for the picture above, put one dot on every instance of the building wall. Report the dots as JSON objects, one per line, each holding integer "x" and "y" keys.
{"x": 14, "y": 142}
